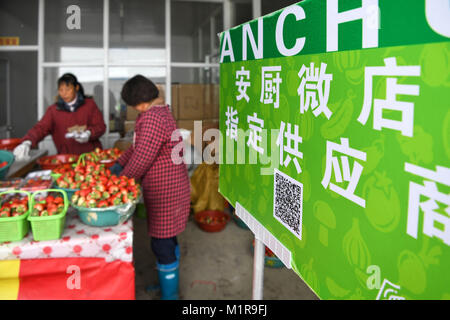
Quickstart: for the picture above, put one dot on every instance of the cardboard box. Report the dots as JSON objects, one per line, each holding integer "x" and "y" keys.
{"x": 132, "y": 114}
{"x": 211, "y": 109}
{"x": 197, "y": 134}
{"x": 123, "y": 144}
{"x": 129, "y": 126}
{"x": 190, "y": 102}
{"x": 174, "y": 106}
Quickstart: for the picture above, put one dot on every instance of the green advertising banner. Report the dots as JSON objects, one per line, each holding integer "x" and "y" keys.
{"x": 335, "y": 118}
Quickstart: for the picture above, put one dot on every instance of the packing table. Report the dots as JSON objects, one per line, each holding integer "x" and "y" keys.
{"x": 21, "y": 168}
{"x": 86, "y": 263}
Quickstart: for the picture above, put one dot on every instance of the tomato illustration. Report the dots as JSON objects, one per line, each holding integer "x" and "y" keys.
{"x": 382, "y": 202}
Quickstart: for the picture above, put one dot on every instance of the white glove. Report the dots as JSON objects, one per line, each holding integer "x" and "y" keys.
{"x": 71, "y": 135}
{"x": 22, "y": 151}
{"x": 83, "y": 137}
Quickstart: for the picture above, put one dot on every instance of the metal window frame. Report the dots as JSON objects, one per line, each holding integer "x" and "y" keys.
{"x": 42, "y": 65}
{"x": 228, "y": 19}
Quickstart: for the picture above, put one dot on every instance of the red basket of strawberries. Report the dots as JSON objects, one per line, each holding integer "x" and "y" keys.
{"x": 103, "y": 156}
{"x": 211, "y": 220}
{"x": 9, "y": 144}
{"x": 52, "y": 162}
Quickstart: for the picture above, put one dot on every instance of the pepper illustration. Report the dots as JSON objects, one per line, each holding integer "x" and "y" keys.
{"x": 412, "y": 267}
{"x": 382, "y": 202}
{"x": 340, "y": 119}
{"x": 374, "y": 154}
{"x": 325, "y": 215}
{"x": 355, "y": 248}
{"x": 419, "y": 148}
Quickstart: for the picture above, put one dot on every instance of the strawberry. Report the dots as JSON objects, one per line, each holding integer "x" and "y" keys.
{"x": 4, "y": 214}
{"x": 113, "y": 189}
{"x": 59, "y": 200}
{"x": 103, "y": 204}
{"x": 39, "y": 207}
{"x": 81, "y": 201}
{"x": 92, "y": 203}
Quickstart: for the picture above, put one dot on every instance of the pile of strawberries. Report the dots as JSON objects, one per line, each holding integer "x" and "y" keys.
{"x": 81, "y": 176}
{"x": 97, "y": 187}
{"x": 107, "y": 192}
{"x": 50, "y": 205}
{"x": 14, "y": 206}
{"x": 104, "y": 154}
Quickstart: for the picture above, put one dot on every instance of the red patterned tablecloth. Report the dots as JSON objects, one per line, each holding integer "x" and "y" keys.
{"x": 78, "y": 240}
{"x": 86, "y": 263}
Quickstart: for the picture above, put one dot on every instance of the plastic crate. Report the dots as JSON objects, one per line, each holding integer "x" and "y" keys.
{"x": 10, "y": 184}
{"x": 61, "y": 158}
{"x": 273, "y": 262}
{"x": 45, "y": 183}
{"x": 8, "y": 157}
{"x": 9, "y": 144}
{"x": 49, "y": 227}
{"x": 14, "y": 228}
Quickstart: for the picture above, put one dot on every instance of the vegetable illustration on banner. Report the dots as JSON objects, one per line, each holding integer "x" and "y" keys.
{"x": 338, "y": 112}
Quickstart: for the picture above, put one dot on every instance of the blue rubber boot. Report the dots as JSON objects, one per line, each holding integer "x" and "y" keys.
{"x": 157, "y": 287}
{"x": 168, "y": 280}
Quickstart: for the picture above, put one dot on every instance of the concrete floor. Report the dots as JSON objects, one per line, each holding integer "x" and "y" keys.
{"x": 215, "y": 266}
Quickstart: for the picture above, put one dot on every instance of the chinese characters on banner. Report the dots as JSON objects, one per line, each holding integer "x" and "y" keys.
{"x": 345, "y": 109}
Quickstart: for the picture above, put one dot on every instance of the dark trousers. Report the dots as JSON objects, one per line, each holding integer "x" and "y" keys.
{"x": 164, "y": 249}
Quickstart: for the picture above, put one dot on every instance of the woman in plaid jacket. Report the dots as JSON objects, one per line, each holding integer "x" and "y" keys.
{"x": 165, "y": 184}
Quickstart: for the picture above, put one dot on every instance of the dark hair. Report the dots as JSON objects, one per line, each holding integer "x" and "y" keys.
{"x": 137, "y": 90}
{"x": 70, "y": 79}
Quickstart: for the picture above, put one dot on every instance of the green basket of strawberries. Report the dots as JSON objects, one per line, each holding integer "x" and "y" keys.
{"x": 108, "y": 202}
{"x": 48, "y": 214}
{"x": 14, "y": 211}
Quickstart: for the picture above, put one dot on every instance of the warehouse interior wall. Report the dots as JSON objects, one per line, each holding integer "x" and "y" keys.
{"x": 14, "y": 21}
{"x": 136, "y": 32}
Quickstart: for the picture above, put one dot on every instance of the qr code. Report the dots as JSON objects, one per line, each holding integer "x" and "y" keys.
{"x": 288, "y": 202}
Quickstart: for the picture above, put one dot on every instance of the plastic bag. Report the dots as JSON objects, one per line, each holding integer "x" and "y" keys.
{"x": 205, "y": 189}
